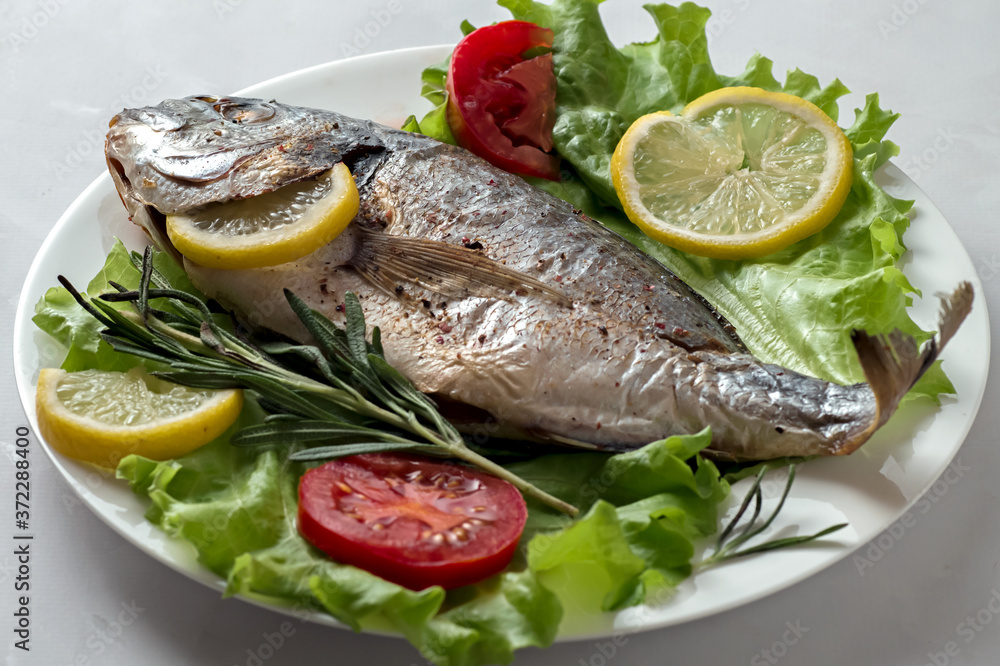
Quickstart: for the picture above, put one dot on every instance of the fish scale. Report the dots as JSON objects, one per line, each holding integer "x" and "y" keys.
{"x": 510, "y": 210}
{"x": 493, "y": 295}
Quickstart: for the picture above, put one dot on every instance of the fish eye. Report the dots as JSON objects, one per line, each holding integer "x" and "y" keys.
{"x": 242, "y": 113}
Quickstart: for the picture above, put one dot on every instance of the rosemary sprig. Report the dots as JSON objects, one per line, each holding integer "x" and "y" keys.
{"x": 332, "y": 392}
{"x": 726, "y": 549}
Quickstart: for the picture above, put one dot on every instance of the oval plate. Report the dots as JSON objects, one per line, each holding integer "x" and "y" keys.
{"x": 869, "y": 490}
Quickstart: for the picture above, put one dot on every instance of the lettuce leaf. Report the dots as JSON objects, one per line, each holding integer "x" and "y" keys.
{"x": 59, "y": 315}
{"x": 237, "y": 507}
{"x": 435, "y": 122}
{"x": 646, "y": 510}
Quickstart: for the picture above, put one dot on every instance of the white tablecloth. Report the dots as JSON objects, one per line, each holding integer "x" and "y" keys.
{"x": 67, "y": 65}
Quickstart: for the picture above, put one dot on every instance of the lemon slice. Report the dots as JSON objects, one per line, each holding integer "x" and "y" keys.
{"x": 741, "y": 173}
{"x": 100, "y": 417}
{"x": 268, "y": 229}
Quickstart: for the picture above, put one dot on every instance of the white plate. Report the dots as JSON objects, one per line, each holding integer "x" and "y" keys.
{"x": 870, "y": 489}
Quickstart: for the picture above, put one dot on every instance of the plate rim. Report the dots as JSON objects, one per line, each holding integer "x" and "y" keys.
{"x": 202, "y": 574}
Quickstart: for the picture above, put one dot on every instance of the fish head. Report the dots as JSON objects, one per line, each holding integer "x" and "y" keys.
{"x": 186, "y": 153}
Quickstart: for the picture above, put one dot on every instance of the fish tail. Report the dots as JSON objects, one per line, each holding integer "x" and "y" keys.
{"x": 893, "y": 362}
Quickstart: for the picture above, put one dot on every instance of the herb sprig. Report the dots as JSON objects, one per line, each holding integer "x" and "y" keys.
{"x": 726, "y": 549}
{"x": 349, "y": 386}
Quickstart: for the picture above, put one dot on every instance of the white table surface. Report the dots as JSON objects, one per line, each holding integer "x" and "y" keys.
{"x": 67, "y": 66}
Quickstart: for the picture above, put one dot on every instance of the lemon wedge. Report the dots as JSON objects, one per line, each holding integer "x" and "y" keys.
{"x": 269, "y": 229}
{"x": 741, "y": 173}
{"x": 101, "y": 417}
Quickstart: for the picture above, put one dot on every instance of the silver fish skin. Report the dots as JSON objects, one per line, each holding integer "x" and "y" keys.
{"x": 494, "y": 295}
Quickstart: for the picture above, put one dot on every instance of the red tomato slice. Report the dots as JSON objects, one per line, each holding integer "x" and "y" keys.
{"x": 501, "y": 106}
{"x": 410, "y": 520}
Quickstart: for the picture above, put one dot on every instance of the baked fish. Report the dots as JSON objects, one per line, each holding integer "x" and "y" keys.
{"x": 499, "y": 300}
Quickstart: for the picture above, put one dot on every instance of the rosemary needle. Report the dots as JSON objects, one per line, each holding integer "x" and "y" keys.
{"x": 728, "y": 547}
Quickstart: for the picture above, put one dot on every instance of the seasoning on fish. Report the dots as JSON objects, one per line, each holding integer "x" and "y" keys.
{"x": 549, "y": 324}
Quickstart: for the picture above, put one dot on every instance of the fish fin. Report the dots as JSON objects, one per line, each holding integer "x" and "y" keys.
{"x": 892, "y": 363}
{"x": 443, "y": 268}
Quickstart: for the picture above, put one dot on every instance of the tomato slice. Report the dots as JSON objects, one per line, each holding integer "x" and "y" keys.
{"x": 501, "y": 106}
{"x": 410, "y": 520}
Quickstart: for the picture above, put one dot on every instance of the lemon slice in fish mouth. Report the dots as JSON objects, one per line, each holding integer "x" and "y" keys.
{"x": 269, "y": 229}
{"x": 741, "y": 173}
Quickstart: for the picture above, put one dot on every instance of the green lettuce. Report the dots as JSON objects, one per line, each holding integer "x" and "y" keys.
{"x": 644, "y": 511}
{"x": 795, "y": 307}
{"x": 59, "y": 315}
{"x": 435, "y": 122}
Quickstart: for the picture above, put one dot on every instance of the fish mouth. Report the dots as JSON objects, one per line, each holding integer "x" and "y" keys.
{"x": 146, "y": 217}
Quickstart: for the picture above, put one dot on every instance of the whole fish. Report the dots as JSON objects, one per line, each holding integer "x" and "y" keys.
{"x": 501, "y": 301}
